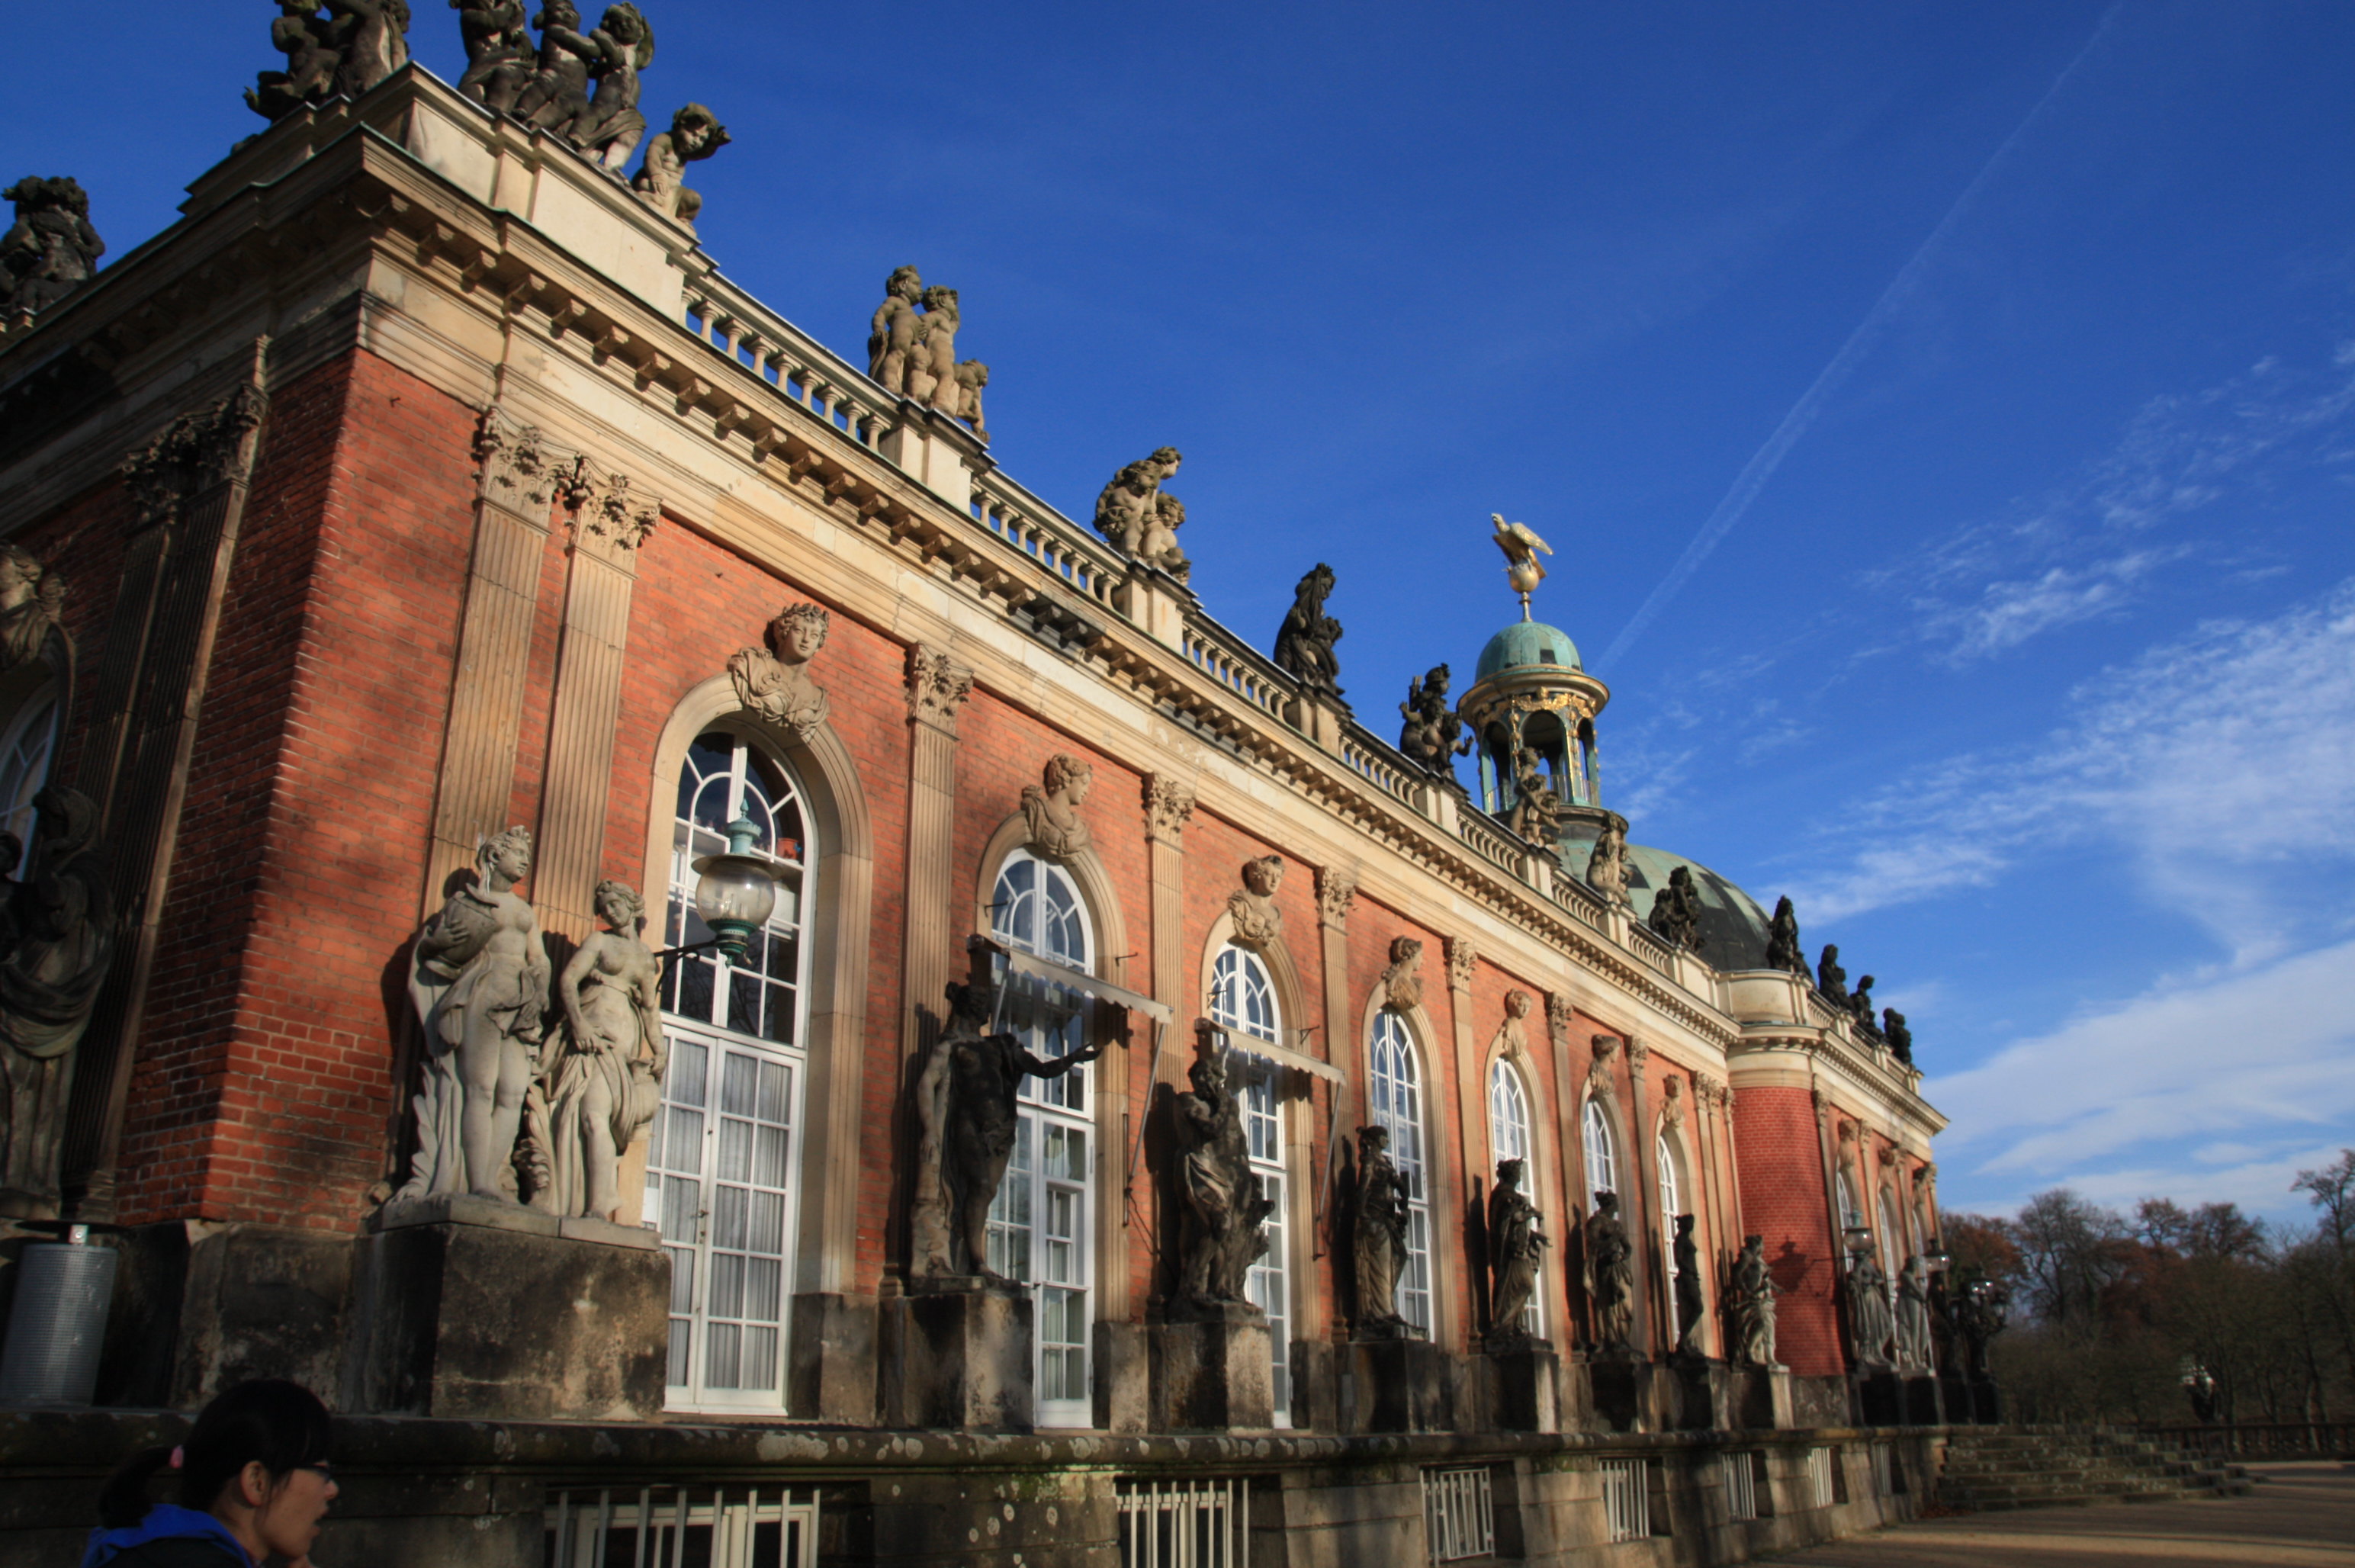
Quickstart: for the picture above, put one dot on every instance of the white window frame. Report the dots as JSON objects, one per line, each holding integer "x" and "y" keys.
{"x": 1396, "y": 1100}
{"x": 1046, "y": 1115}
{"x": 1509, "y": 1138}
{"x": 1601, "y": 1151}
{"x": 689, "y": 1232}
{"x": 1243, "y": 1001}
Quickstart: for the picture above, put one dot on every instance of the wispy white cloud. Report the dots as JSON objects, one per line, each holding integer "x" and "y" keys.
{"x": 2222, "y": 1085}
{"x": 2009, "y": 612}
{"x": 2223, "y": 764}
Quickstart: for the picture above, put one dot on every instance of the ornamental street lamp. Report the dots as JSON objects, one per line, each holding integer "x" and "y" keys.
{"x": 735, "y": 893}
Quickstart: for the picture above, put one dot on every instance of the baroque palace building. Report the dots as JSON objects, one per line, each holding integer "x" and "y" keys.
{"x": 424, "y": 481}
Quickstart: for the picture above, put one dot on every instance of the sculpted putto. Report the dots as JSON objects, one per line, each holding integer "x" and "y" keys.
{"x": 1051, "y": 809}
{"x": 479, "y": 982}
{"x": 355, "y": 45}
{"x": 1303, "y": 646}
{"x": 603, "y": 1084}
{"x": 911, "y": 349}
{"x": 774, "y": 681}
{"x": 50, "y": 250}
{"x": 695, "y": 134}
{"x": 1538, "y": 811}
{"x": 1253, "y": 905}
{"x": 1139, "y": 519}
{"x": 1606, "y": 867}
{"x": 1676, "y": 911}
{"x": 1433, "y": 733}
{"x": 1403, "y": 981}
{"x": 499, "y": 52}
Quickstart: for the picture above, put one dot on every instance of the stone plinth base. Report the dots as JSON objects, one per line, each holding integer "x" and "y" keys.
{"x": 1880, "y": 1398}
{"x": 1212, "y": 1375}
{"x": 462, "y": 1306}
{"x": 1398, "y": 1385}
{"x": 956, "y": 1354}
{"x": 1923, "y": 1405}
{"x": 1971, "y": 1401}
{"x": 1704, "y": 1390}
{"x": 1123, "y": 1381}
{"x": 1628, "y": 1393}
{"x": 1524, "y": 1387}
{"x": 1760, "y": 1397}
{"x": 832, "y": 1365}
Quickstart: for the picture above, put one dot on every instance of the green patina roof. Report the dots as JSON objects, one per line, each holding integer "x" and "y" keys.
{"x": 1528, "y": 643}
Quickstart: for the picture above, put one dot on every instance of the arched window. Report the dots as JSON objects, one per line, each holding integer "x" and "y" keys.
{"x": 1242, "y": 1001}
{"x": 1895, "y": 1243}
{"x": 1508, "y": 1138}
{"x": 1850, "y": 1216}
{"x": 723, "y": 1154}
{"x": 1601, "y": 1157}
{"x": 1672, "y": 1204}
{"x": 1041, "y": 1224}
{"x": 1396, "y": 1087}
{"x": 25, "y": 754}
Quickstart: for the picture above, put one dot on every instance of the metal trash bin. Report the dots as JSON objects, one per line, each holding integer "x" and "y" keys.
{"x": 58, "y": 1322}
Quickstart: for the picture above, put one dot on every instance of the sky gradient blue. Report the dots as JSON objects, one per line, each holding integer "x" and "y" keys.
{"x": 2026, "y": 666}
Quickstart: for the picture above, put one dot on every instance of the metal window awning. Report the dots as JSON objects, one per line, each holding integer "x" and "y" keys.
{"x": 1072, "y": 979}
{"x": 1282, "y": 1056}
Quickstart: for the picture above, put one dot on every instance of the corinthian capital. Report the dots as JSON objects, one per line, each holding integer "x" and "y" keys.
{"x": 937, "y": 686}
{"x": 1167, "y": 804}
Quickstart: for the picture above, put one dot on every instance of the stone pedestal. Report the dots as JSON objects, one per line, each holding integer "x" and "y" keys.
{"x": 832, "y": 1362}
{"x": 1971, "y": 1401}
{"x": 1123, "y": 1379}
{"x": 1398, "y": 1385}
{"x": 1704, "y": 1391}
{"x": 1923, "y": 1405}
{"x": 1212, "y": 1374}
{"x": 465, "y": 1306}
{"x": 956, "y": 1354}
{"x": 1880, "y": 1398}
{"x": 1760, "y": 1399}
{"x": 1623, "y": 1392}
{"x": 1524, "y": 1387}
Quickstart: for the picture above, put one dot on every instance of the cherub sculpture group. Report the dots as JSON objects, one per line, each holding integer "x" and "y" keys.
{"x": 911, "y": 350}
{"x": 1433, "y": 733}
{"x": 50, "y": 250}
{"x": 343, "y": 53}
{"x": 1140, "y": 518}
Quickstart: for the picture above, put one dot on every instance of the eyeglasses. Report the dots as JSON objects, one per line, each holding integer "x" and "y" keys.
{"x": 323, "y": 1469}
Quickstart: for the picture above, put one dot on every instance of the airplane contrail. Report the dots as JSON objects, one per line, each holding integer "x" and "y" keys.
{"x": 1769, "y": 457}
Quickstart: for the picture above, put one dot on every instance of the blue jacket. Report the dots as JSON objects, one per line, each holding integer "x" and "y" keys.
{"x": 169, "y": 1537}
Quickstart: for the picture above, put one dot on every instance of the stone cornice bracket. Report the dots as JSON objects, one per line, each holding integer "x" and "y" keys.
{"x": 520, "y": 468}
{"x": 1167, "y": 805}
{"x": 937, "y": 688}
{"x": 1462, "y": 957}
{"x": 607, "y": 508}
{"x": 195, "y": 453}
{"x": 1336, "y": 890}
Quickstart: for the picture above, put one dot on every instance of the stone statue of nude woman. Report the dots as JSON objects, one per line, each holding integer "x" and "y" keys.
{"x": 606, "y": 1083}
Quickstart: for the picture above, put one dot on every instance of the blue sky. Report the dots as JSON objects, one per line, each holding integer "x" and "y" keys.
{"x": 2023, "y": 660}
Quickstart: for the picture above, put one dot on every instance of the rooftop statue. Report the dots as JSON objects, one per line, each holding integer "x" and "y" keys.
{"x": 1860, "y": 1002}
{"x": 1226, "y": 1209}
{"x": 1433, "y": 733}
{"x": 1899, "y": 1038}
{"x": 610, "y": 128}
{"x": 1610, "y": 1275}
{"x": 1676, "y": 911}
{"x": 695, "y": 134}
{"x": 50, "y": 250}
{"x": 1830, "y": 978}
{"x": 891, "y": 336}
{"x": 355, "y": 45}
{"x": 555, "y": 97}
{"x": 499, "y": 53}
{"x": 1516, "y": 1245}
{"x": 1751, "y": 1305}
{"x": 56, "y": 941}
{"x": 1379, "y": 1237}
{"x": 603, "y": 1081}
{"x": 774, "y": 681}
{"x": 479, "y": 982}
{"x": 1140, "y": 518}
{"x": 1520, "y": 547}
{"x": 1303, "y": 646}
{"x": 1606, "y": 867}
{"x": 1050, "y": 808}
{"x": 1783, "y": 949}
{"x": 972, "y": 376}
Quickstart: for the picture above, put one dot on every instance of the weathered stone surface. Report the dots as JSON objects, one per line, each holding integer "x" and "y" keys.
{"x": 1760, "y": 1398}
{"x": 1212, "y": 1375}
{"x": 514, "y": 1321}
{"x": 1304, "y": 644}
{"x": 1524, "y": 1389}
{"x": 1399, "y": 1385}
{"x": 831, "y": 1366}
{"x": 199, "y": 1307}
{"x": 50, "y": 250}
{"x": 1880, "y": 1398}
{"x": 958, "y": 1356}
{"x": 1124, "y": 1401}
{"x": 1704, "y": 1394}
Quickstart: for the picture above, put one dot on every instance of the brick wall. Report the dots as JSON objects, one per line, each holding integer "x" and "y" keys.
{"x": 1782, "y": 1175}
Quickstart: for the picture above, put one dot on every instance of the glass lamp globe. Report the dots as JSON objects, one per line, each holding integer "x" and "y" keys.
{"x": 736, "y": 893}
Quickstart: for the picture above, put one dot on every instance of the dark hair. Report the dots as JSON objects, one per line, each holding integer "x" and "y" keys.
{"x": 281, "y": 1425}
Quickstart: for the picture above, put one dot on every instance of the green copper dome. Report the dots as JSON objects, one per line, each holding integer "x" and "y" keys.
{"x": 1528, "y": 643}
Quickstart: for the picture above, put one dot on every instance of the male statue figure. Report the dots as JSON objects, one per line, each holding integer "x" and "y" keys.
{"x": 1226, "y": 1211}
{"x": 1379, "y": 1236}
{"x": 985, "y": 1074}
{"x": 1514, "y": 1245}
{"x": 1754, "y": 1306}
{"x": 1611, "y": 1273}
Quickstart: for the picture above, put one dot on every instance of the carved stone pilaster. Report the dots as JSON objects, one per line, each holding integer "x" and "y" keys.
{"x": 520, "y": 468}
{"x": 937, "y": 688}
{"x": 607, "y": 507}
{"x": 196, "y": 452}
{"x": 1167, "y": 804}
{"x": 1638, "y": 1054}
{"x": 1557, "y": 1011}
{"x": 1336, "y": 890}
{"x": 1462, "y": 956}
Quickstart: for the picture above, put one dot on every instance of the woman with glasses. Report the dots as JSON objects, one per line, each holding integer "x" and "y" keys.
{"x": 252, "y": 1485}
